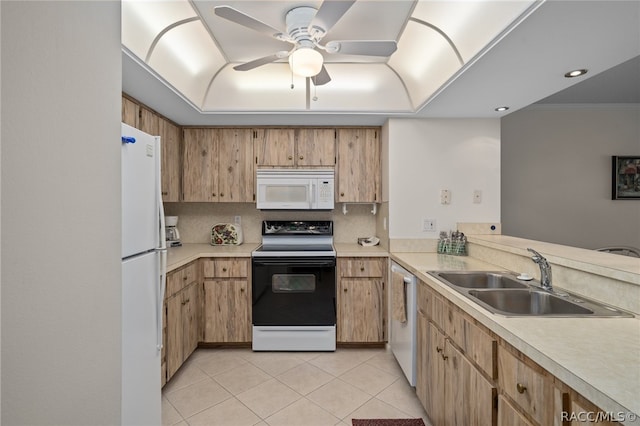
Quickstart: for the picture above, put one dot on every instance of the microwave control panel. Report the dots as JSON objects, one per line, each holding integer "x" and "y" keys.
{"x": 325, "y": 193}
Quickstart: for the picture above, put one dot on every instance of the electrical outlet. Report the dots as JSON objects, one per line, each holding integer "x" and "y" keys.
{"x": 477, "y": 196}
{"x": 445, "y": 196}
{"x": 428, "y": 225}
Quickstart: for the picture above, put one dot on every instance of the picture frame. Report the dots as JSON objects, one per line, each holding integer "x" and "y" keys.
{"x": 625, "y": 177}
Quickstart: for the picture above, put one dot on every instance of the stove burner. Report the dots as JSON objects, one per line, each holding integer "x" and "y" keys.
{"x": 324, "y": 227}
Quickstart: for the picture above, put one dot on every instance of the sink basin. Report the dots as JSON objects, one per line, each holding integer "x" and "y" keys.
{"x": 480, "y": 279}
{"x": 529, "y": 302}
{"x": 501, "y": 293}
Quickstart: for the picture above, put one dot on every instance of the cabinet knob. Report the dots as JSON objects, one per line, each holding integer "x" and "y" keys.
{"x": 342, "y": 194}
{"x": 222, "y": 194}
{"x": 302, "y": 157}
{"x": 290, "y": 157}
{"x": 438, "y": 349}
{"x": 241, "y": 290}
{"x": 213, "y": 194}
{"x": 184, "y": 278}
{"x": 165, "y": 193}
{"x": 362, "y": 269}
{"x": 224, "y": 269}
{"x": 345, "y": 290}
{"x": 520, "y": 388}
{"x": 444, "y": 357}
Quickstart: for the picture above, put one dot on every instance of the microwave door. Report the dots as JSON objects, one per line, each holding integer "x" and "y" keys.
{"x": 284, "y": 194}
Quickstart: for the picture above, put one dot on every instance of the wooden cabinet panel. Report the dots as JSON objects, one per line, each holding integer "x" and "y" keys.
{"x": 226, "y": 268}
{"x": 227, "y": 314}
{"x": 527, "y": 386}
{"x": 171, "y": 171}
{"x": 435, "y": 394}
{"x": 180, "y": 278}
{"x": 479, "y": 346}
{"x": 174, "y": 334}
{"x": 361, "y": 267}
{"x": 422, "y": 357}
{"x": 199, "y": 174}
{"x": 360, "y": 310}
{"x": 130, "y": 112}
{"x": 217, "y": 165}
{"x": 315, "y": 147}
{"x": 149, "y": 122}
{"x": 275, "y": 147}
{"x": 509, "y": 416}
{"x": 235, "y": 165}
{"x": 191, "y": 320}
{"x": 358, "y": 168}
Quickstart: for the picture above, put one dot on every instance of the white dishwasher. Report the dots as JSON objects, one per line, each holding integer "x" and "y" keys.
{"x": 403, "y": 333}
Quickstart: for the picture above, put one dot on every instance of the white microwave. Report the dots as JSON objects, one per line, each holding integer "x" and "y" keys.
{"x": 295, "y": 189}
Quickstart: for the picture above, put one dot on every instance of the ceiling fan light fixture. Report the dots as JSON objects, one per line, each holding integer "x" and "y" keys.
{"x": 305, "y": 62}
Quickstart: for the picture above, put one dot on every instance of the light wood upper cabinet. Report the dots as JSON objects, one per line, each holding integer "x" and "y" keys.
{"x": 130, "y": 112}
{"x": 217, "y": 165}
{"x": 149, "y": 122}
{"x": 361, "y": 315}
{"x": 199, "y": 171}
{"x": 301, "y": 147}
{"x": 358, "y": 168}
{"x": 315, "y": 147}
{"x": 235, "y": 165}
{"x": 171, "y": 171}
{"x": 275, "y": 147}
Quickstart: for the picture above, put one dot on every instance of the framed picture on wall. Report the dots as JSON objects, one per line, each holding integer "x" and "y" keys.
{"x": 625, "y": 177}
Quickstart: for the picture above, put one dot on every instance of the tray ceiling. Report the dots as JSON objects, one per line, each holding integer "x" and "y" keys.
{"x": 193, "y": 51}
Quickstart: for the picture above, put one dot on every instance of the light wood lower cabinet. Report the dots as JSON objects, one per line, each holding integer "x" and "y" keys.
{"x": 227, "y": 300}
{"x": 468, "y": 375}
{"x": 452, "y": 389}
{"x": 183, "y": 316}
{"x": 361, "y": 300}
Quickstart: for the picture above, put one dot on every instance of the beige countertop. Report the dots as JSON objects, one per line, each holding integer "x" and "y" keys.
{"x": 598, "y": 357}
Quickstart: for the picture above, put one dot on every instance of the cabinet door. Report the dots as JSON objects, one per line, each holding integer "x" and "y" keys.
{"x": 470, "y": 397}
{"x": 149, "y": 122}
{"x": 435, "y": 368}
{"x": 358, "y": 166}
{"x": 422, "y": 360}
{"x": 275, "y": 147}
{"x": 171, "y": 170}
{"x": 199, "y": 174}
{"x": 130, "y": 112}
{"x": 174, "y": 334}
{"x": 190, "y": 319}
{"x": 509, "y": 416}
{"x": 315, "y": 147}
{"x": 227, "y": 311}
{"x": 360, "y": 310}
{"x": 235, "y": 165}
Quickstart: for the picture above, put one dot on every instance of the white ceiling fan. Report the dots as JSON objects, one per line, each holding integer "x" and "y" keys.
{"x": 306, "y": 26}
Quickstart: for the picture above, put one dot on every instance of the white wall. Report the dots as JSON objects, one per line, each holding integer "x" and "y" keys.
{"x": 556, "y": 174}
{"x": 61, "y": 274}
{"x": 428, "y": 155}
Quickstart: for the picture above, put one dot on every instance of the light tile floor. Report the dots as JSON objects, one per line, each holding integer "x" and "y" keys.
{"x": 237, "y": 387}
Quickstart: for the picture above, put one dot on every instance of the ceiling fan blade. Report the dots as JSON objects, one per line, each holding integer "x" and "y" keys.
{"x": 362, "y": 47}
{"x": 321, "y": 78}
{"x": 329, "y": 13}
{"x": 261, "y": 61}
{"x": 243, "y": 19}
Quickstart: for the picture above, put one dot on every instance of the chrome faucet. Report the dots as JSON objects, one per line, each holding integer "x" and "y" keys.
{"x": 545, "y": 269}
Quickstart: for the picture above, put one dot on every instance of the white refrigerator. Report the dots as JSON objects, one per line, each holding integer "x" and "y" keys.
{"x": 143, "y": 277}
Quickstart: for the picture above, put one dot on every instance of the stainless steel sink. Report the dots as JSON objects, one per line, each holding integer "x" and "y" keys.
{"x": 480, "y": 279}
{"x": 528, "y": 302}
{"x": 503, "y": 294}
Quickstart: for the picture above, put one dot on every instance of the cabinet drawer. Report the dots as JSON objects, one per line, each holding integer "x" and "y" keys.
{"x": 527, "y": 385}
{"x": 361, "y": 267}
{"x": 180, "y": 278}
{"x": 226, "y": 268}
{"x": 509, "y": 416}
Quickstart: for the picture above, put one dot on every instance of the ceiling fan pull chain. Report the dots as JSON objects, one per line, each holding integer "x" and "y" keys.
{"x": 291, "y": 74}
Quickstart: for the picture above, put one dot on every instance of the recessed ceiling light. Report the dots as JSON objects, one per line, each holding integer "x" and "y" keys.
{"x": 502, "y": 108}
{"x": 576, "y": 73}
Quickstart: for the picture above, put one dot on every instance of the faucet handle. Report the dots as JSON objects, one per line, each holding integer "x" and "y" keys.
{"x": 536, "y": 255}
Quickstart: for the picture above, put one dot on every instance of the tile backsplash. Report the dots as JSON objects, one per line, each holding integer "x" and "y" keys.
{"x": 196, "y": 219}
